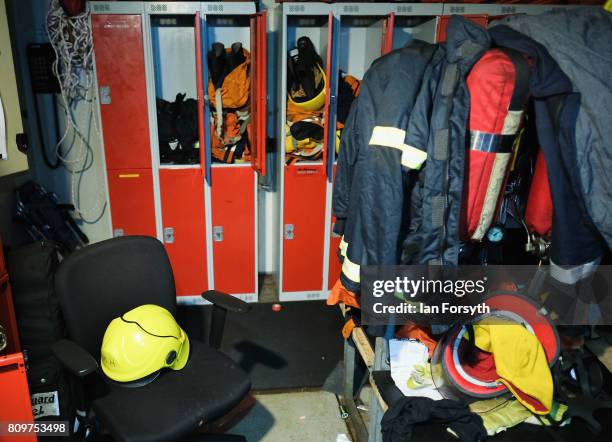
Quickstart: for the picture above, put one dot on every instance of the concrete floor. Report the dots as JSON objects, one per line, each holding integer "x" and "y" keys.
{"x": 310, "y": 416}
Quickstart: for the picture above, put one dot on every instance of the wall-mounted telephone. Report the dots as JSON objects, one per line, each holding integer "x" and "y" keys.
{"x": 41, "y": 57}
{"x": 40, "y": 61}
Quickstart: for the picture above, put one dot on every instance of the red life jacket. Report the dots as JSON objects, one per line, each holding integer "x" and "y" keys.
{"x": 499, "y": 88}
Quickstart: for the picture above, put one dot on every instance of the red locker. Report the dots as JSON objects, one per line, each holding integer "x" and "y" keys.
{"x": 182, "y": 197}
{"x": 304, "y": 229}
{"x": 479, "y": 19}
{"x": 7, "y": 310}
{"x": 233, "y": 224}
{"x": 15, "y": 405}
{"x": 122, "y": 90}
{"x": 131, "y": 202}
{"x": 387, "y": 36}
{"x": 335, "y": 266}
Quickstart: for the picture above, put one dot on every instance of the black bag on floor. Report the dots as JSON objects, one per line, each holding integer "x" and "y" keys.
{"x": 31, "y": 270}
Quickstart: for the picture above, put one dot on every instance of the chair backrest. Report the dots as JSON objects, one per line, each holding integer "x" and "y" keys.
{"x": 102, "y": 281}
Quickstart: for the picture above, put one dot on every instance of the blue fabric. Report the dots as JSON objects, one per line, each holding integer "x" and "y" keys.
{"x": 574, "y": 241}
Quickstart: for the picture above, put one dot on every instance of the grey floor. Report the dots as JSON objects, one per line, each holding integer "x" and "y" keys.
{"x": 309, "y": 416}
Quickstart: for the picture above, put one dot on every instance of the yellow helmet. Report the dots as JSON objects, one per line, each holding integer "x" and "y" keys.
{"x": 316, "y": 103}
{"x": 137, "y": 345}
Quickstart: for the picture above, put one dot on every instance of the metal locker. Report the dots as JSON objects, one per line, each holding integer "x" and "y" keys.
{"x": 479, "y": 19}
{"x": 122, "y": 90}
{"x": 484, "y": 14}
{"x": 152, "y": 192}
{"x": 384, "y": 27}
{"x": 182, "y": 198}
{"x": 122, "y": 93}
{"x": 233, "y": 223}
{"x": 174, "y": 59}
{"x": 131, "y": 201}
{"x": 303, "y": 186}
{"x": 232, "y": 188}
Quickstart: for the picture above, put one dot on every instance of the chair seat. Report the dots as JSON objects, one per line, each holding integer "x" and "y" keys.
{"x": 177, "y": 402}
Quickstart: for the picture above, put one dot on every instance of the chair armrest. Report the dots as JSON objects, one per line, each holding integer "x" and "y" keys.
{"x": 226, "y": 302}
{"x": 74, "y": 358}
{"x": 222, "y": 303}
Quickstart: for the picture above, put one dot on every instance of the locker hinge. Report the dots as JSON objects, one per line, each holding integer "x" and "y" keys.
{"x": 289, "y": 231}
{"x": 169, "y": 235}
{"x": 105, "y": 95}
{"x": 217, "y": 233}
{"x": 117, "y": 232}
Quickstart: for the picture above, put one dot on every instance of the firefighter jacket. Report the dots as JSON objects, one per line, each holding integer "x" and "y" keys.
{"x": 573, "y": 98}
{"x": 412, "y": 107}
{"x": 434, "y": 235}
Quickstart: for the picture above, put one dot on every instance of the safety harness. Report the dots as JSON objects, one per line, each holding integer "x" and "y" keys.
{"x": 229, "y": 84}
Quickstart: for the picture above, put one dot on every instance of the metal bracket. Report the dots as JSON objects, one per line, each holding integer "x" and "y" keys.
{"x": 117, "y": 233}
{"x": 105, "y": 95}
{"x": 169, "y": 235}
{"x": 217, "y": 233}
{"x": 289, "y": 231}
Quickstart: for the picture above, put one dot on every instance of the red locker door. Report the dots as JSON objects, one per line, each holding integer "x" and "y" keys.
{"x": 182, "y": 198}
{"x": 258, "y": 92}
{"x": 122, "y": 90}
{"x": 304, "y": 229}
{"x": 131, "y": 202}
{"x": 16, "y": 405}
{"x": 387, "y": 37}
{"x": 233, "y": 220}
{"x": 335, "y": 266}
{"x": 479, "y": 19}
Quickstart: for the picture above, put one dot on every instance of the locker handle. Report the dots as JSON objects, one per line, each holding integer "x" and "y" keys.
{"x": 105, "y": 95}
{"x": 218, "y": 233}
{"x": 129, "y": 175}
{"x": 169, "y": 235}
{"x": 289, "y": 231}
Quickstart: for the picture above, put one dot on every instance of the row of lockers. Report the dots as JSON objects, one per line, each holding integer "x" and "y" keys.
{"x": 206, "y": 213}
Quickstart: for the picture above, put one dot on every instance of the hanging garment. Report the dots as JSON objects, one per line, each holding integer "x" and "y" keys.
{"x": 578, "y": 40}
{"x": 434, "y": 236}
{"x": 572, "y": 107}
{"x": 576, "y": 244}
{"x": 228, "y": 89}
{"x": 339, "y": 294}
{"x": 177, "y": 129}
{"x": 399, "y": 420}
{"x": 380, "y": 192}
{"x": 499, "y": 87}
{"x": 348, "y": 90}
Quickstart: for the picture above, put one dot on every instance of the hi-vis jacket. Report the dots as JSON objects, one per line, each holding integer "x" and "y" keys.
{"x": 413, "y": 107}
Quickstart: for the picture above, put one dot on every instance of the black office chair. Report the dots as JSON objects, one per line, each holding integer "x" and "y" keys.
{"x": 101, "y": 282}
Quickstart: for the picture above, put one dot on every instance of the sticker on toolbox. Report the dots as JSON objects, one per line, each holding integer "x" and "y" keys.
{"x": 45, "y": 404}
